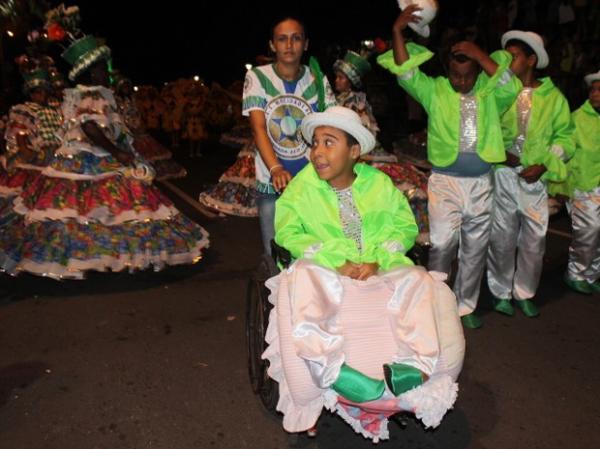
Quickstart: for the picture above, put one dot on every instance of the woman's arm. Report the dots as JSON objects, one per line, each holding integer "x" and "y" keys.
{"x": 279, "y": 176}
{"x": 97, "y": 136}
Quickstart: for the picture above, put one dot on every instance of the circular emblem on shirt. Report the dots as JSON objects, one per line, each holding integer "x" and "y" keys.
{"x": 284, "y": 115}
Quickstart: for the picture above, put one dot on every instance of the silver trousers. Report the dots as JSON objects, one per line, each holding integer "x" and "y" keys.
{"x": 459, "y": 222}
{"x": 584, "y": 252}
{"x": 518, "y": 235}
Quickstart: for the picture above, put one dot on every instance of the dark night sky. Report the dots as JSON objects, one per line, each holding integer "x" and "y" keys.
{"x": 155, "y": 42}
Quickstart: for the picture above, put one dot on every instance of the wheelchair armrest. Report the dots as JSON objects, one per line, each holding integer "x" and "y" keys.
{"x": 280, "y": 255}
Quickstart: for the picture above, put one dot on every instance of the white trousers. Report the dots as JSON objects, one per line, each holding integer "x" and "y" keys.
{"x": 518, "y": 235}
{"x": 459, "y": 221}
{"x": 584, "y": 252}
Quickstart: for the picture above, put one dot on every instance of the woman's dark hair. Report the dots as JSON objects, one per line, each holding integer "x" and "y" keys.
{"x": 283, "y": 19}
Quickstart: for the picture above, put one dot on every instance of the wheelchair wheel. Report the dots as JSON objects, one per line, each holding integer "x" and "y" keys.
{"x": 257, "y": 320}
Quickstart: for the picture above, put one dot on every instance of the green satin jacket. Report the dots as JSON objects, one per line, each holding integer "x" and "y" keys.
{"x": 442, "y": 103}
{"x": 308, "y": 224}
{"x": 549, "y": 137}
{"x": 584, "y": 167}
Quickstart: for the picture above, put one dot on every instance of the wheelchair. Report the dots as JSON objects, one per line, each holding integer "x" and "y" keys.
{"x": 258, "y": 309}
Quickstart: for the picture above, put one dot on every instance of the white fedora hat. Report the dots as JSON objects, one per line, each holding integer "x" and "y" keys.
{"x": 590, "y": 78}
{"x": 342, "y": 118}
{"x": 427, "y": 14}
{"x": 532, "y": 39}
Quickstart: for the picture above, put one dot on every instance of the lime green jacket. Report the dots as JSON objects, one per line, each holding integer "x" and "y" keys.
{"x": 549, "y": 137}
{"x": 583, "y": 170}
{"x": 307, "y": 220}
{"x": 442, "y": 103}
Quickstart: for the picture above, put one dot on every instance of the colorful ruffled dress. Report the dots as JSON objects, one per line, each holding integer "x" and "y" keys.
{"x": 39, "y": 125}
{"x": 235, "y": 193}
{"x": 88, "y": 212}
{"x": 147, "y": 146}
{"x": 406, "y": 177}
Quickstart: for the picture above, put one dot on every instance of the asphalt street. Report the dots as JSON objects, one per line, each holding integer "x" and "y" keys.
{"x": 158, "y": 360}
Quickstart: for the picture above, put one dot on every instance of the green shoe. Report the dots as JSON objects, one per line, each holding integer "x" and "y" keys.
{"x": 356, "y": 387}
{"x": 528, "y": 307}
{"x": 471, "y": 321}
{"x": 595, "y": 287}
{"x": 401, "y": 378}
{"x": 504, "y": 306}
{"x": 582, "y": 287}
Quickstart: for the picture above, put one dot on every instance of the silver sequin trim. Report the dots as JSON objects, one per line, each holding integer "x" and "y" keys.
{"x": 524, "y": 102}
{"x": 349, "y": 216}
{"x": 468, "y": 124}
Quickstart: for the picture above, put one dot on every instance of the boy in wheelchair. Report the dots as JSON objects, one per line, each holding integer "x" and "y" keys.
{"x": 355, "y": 327}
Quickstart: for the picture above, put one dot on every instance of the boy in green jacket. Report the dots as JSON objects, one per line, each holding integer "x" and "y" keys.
{"x": 464, "y": 140}
{"x": 583, "y": 186}
{"x": 346, "y": 223}
{"x": 537, "y": 135}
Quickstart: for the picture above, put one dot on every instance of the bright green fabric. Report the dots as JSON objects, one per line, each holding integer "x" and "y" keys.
{"x": 442, "y": 104}
{"x": 356, "y": 386}
{"x": 549, "y": 125}
{"x": 584, "y": 167}
{"x": 401, "y": 378}
{"x": 307, "y": 215}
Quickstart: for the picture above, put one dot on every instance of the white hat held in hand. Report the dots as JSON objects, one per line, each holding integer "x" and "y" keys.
{"x": 427, "y": 14}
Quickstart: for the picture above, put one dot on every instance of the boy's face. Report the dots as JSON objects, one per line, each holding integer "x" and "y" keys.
{"x": 463, "y": 75}
{"x": 595, "y": 95}
{"x": 331, "y": 155}
{"x": 521, "y": 63}
{"x": 342, "y": 83}
{"x": 289, "y": 42}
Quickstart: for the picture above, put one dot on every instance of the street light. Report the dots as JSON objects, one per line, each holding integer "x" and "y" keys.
{"x": 196, "y": 78}
{"x": 135, "y": 88}
{"x": 10, "y": 33}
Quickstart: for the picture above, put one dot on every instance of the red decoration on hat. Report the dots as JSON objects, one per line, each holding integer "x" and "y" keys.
{"x": 380, "y": 45}
{"x": 56, "y": 32}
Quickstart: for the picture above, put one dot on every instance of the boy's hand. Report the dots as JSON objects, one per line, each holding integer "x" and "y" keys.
{"x": 470, "y": 50}
{"x": 533, "y": 174}
{"x": 280, "y": 178}
{"x": 512, "y": 160}
{"x": 407, "y": 16}
{"x": 366, "y": 270}
{"x": 349, "y": 269}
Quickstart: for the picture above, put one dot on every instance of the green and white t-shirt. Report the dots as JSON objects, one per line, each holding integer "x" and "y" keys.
{"x": 285, "y": 103}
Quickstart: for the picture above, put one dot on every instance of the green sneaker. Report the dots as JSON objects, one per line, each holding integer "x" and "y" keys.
{"x": 582, "y": 287}
{"x": 595, "y": 287}
{"x": 356, "y": 386}
{"x": 504, "y": 306}
{"x": 471, "y": 321}
{"x": 528, "y": 307}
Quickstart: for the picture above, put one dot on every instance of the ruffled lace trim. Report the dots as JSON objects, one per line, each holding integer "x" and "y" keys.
{"x": 295, "y": 418}
{"x": 432, "y": 400}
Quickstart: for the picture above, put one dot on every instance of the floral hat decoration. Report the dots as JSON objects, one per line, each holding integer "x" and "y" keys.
{"x": 81, "y": 50}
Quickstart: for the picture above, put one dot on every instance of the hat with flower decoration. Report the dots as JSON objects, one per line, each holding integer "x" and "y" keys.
{"x": 82, "y": 51}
